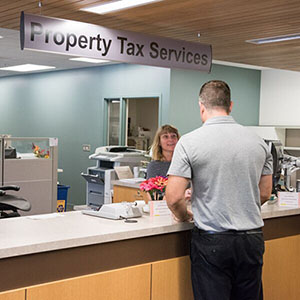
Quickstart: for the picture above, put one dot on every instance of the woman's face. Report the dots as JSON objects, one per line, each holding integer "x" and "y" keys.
{"x": 168, "y": 141}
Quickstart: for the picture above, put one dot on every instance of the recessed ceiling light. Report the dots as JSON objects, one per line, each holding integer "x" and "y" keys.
{"x": 1, "y": 37}
{"x": 274, "y": 39}
{"x": 89, "y": 60}
{"x": 117, "y": 5}
{"x": 26, "y": 68}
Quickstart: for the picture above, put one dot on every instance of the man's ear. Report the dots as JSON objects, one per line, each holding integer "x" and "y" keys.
{"x": 202, "y": 107}
{"x": 230, "y": 107}
{"x": 202, "y": 112}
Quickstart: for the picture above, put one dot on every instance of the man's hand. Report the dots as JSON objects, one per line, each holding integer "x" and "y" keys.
{"x": 188, "y": 218}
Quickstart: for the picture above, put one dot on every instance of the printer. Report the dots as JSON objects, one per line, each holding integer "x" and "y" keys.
{"x": 98, "y": 178}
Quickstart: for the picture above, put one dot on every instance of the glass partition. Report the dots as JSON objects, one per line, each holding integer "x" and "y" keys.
{"x": 26, "y": 148}
{"x": 113, "y": 122}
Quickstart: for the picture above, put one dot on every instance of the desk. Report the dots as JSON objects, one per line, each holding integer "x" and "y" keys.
{"x": 126, "y": 191}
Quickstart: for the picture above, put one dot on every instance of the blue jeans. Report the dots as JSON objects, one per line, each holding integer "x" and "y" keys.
{"x": 227, "y": 265}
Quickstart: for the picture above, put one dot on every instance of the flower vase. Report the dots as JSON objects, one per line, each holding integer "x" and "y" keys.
{"x": 159, "y": 208}
{"x": 155, "y": 188}
{"x": 155, "y": 196}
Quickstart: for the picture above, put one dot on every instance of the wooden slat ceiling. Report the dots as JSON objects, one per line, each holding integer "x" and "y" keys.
{"x": 225, "y": 24}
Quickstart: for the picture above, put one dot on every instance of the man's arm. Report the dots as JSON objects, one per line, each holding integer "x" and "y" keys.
{"x": 175, "y": 196}
{"x": 265, "y": 187}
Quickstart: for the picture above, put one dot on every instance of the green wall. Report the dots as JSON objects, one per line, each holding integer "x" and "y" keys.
{"x": 185, "y": 87}
{"x": 69, "y": 105}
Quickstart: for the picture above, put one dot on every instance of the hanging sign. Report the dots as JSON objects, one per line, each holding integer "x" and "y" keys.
{"x": 88, "y": 40}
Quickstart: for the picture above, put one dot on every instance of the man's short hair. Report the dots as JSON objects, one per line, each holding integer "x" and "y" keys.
{"x": 215, "y": 94}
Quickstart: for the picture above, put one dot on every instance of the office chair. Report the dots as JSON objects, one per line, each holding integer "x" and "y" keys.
{"x": 10, "y": 204}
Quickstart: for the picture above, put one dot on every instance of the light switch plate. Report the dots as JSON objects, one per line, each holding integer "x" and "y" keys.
{"x": 86, "y": 148}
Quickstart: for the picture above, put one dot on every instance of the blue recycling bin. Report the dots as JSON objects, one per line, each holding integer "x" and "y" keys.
{"x": 62, "y": 197}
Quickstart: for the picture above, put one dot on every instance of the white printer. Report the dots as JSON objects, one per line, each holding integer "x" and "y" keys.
{"x": 116, "y": 211}
{"x": 99, "y": 177}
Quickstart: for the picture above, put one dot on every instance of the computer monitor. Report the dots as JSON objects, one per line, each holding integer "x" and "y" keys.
{"x": 276, "y": 149}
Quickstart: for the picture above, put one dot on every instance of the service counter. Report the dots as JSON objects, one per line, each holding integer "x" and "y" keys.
{"x": 76, "y": 256}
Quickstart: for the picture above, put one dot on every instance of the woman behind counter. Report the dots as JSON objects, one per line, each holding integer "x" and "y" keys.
{"x": 162, "y": 148}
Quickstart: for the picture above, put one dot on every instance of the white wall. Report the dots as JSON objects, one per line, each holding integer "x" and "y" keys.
{"x": 280, "y": 98}
{"x": 144, "y": 112}
{"x": 147, "y": 115}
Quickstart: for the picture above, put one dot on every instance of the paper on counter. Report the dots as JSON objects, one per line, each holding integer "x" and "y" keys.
{"x": 132, "y": 180}
{"x": 289, "y": 199}
{"x": 45, "y": 216}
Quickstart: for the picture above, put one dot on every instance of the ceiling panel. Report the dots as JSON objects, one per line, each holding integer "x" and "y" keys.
{"x": 225, "y": 24}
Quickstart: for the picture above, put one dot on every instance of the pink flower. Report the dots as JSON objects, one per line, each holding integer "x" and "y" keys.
{"x": 155, "y": 186}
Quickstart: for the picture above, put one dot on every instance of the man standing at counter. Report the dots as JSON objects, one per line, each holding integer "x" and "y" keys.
{"x": 231, "y": 172}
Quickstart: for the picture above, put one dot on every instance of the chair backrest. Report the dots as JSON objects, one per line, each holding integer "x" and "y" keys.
{"x": 10, "y": 204}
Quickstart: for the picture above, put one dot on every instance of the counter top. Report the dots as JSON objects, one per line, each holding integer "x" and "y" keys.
{"x": 127, "y": 183}
{"x": 274, "y": 210}
{"x": 34, "y": 234}
{"x": 41, "y": 233}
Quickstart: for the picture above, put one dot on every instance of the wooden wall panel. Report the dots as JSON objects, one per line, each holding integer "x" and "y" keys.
{"x": 14, "y": 295}
{"x": 282, "y": 268}
{"x": 171, "y": 279}
{"x": 123, "y": 284}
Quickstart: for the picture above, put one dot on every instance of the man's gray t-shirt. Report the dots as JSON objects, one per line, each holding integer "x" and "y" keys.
{"x": 225, "y": 162}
